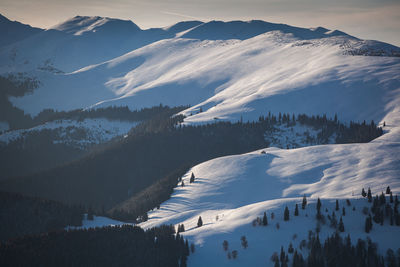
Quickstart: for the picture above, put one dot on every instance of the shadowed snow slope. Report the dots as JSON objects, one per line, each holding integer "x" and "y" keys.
{"x": 230, "y": 192}
{"x": 228, "y": 69}
{"x": 14, "y": 31}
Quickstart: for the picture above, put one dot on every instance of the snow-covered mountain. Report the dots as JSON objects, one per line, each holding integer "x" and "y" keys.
{"x": 228, "y": 70}
{"x": 230, "y": 192}
{"x": 234, "y": 71}
{"x": 14, "y": 31}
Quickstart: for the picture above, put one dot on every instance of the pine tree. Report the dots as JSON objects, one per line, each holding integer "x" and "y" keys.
{"x": 337, "y": 205}
{"x": 265, "y": 219}
{"x": 290, "y": 249}
{"x": 183, "y": 184}
{"x": 363, "y": 193}
{"x": 382, "y": 199}
{"x": 192, "y": 178}
{"x": 199, "y": 222}
{"x": 369, "y": 195}
{"x": 388, "y": 190}
{"x": 286, "y": 214}
{"x": 244, "y": 242}
{"x": 296, "y": 210}
{"x": 282, "y": 255}
{"x": 234, "y": 254}
{"x": 304, "y": 203}
{"x": 391, "y": 197}
{"x": 341, "y": 225}
{"x": 343, "y": 211}
{"x": 225, "y": 245}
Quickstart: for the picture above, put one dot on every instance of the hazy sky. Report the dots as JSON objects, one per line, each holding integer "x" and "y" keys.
{"x": 368, "y": 19}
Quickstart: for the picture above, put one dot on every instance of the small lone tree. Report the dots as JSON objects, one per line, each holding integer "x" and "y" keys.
{"x": 343, "y": 211}
{"x": 286, "y": 214}
{"x": 296, "y": 210}
{"x": 388, "y": 190}
{"x": 183, "y": 184}
{"x": 304, "y": 203}
{"x": 199, "y": 222}
{"x": 192, "y": 178}
{"x": 265, "y": 219}
{"x": 363, "y": 193}
{"x": 225, "y": 245}
{"x": 337, "y": 205}
{"x": 244, "y": 242}
{"x": 234, "y": 254}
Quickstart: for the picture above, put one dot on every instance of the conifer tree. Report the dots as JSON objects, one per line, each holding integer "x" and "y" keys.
{"x": 343, "y": 211}
{"x": 192, "y": 248}
{"x": 183, "y": 184}
{"x": 225, "y": 245}
{"x": 296, "y": 210}
{"x": 341, "y": 225}
{"x": 304, "y": 203}
{"x": 388, "y": 190}
{"x": 290, "y": 249}
{"x": 286, "y": 214}
{"x": 369, "y": 195}
{"x": 382, "y": 199}
{"x": 192, "y": 178}
{"x": 199, "y": 222}
{"x": 363, "y": 193}
{"x": 265, "y": 219}
{"x": 391, "y": 197}
{"x": 244, "y": 242}
{"x": 234, "y": 254}
{"x": 337, "y": 205}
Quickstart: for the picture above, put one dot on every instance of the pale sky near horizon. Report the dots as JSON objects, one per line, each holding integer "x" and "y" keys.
{"x": 367, "y": 19}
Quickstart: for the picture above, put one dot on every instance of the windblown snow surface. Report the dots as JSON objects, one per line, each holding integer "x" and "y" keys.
{"x": 239, "y": 188}
{"x": 229, "y": 70}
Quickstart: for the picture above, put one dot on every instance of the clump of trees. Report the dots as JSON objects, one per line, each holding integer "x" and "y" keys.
{"x": 364, "y": 253}
{"x": 108, "y": 246}
{"x": 22, "y": 215}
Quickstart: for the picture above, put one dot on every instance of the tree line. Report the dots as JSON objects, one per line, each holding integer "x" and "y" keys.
{"x": 108, "y": 246}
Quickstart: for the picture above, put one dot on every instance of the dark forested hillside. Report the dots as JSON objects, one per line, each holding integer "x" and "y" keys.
{"x": 157, "y": 150}
{"x": 21, "y": 215}
{"x": 44, "y": 149}
{"x": 109, "y": 246}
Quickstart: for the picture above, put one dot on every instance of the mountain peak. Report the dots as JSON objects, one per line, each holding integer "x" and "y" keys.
{"x": 242, "y": 30}
{"x": 80, "y": 25}
{"x": 14, "y": 31}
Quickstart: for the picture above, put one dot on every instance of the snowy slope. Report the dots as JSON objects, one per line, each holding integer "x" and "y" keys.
{"x": 284, "y": 68}
{"x": 79, "y": 42}
{"x": 230, "y": 192}
{"x": 14, "y": 31}
{"x": 75, "y": 133}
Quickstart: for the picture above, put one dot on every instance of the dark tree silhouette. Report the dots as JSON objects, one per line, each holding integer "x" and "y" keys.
{"x": 265, "y": 219}
{"x": 304, "y": 203}
{"x": 286, "y": 214}
{"x": 199, "y": 222}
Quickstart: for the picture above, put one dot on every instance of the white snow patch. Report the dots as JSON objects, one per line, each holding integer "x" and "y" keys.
{"x": 95, "y": 131}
